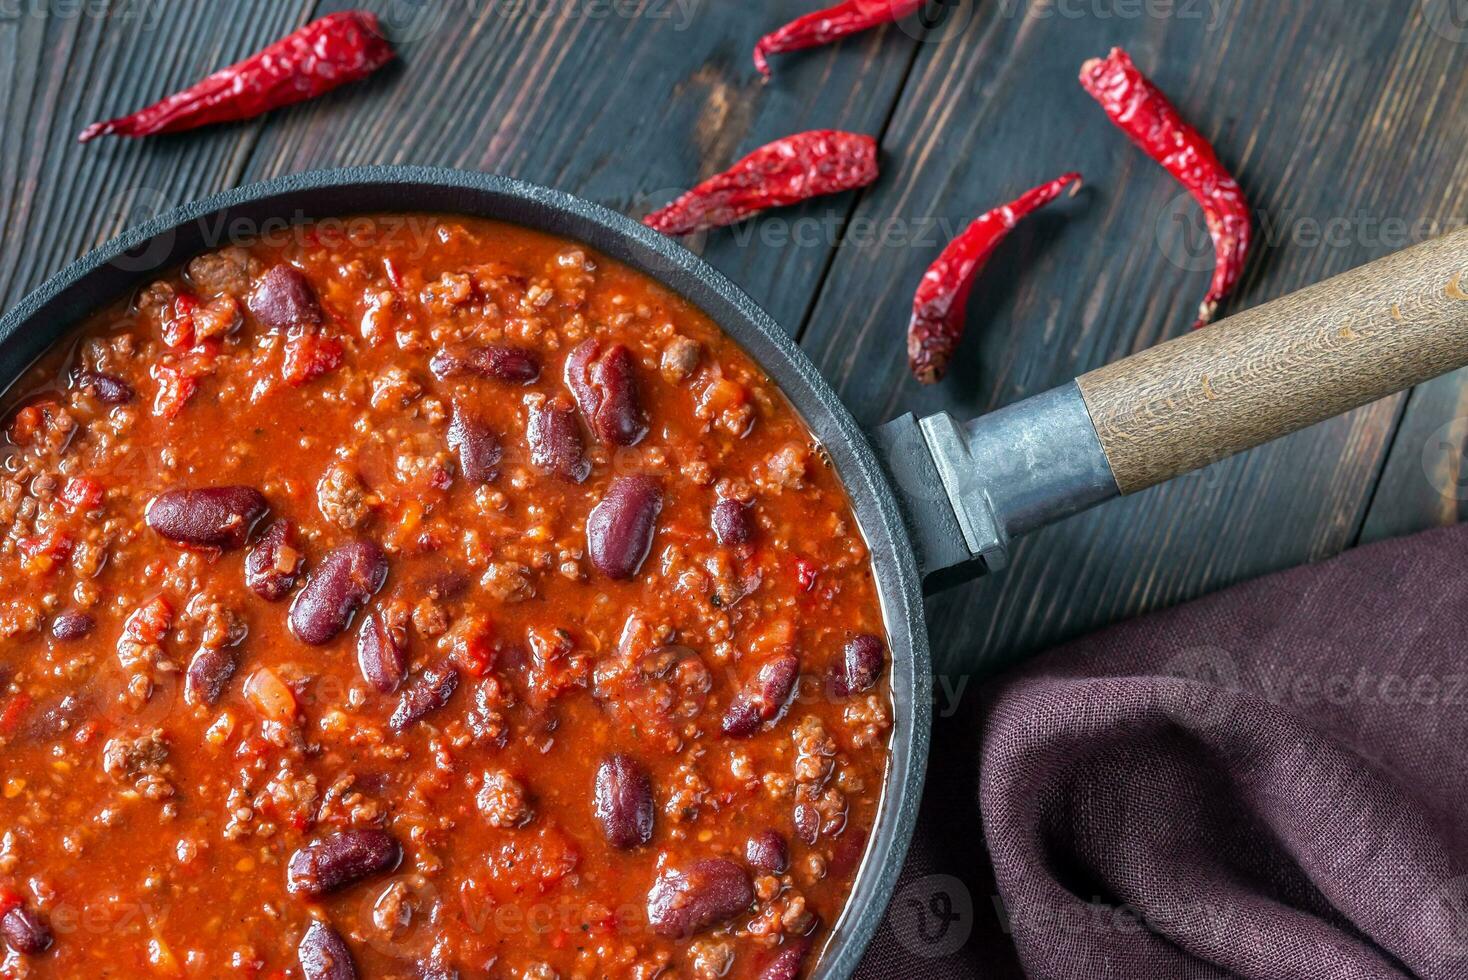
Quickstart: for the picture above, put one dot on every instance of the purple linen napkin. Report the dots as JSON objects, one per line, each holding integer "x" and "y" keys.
{"x": 1270, "y": 782}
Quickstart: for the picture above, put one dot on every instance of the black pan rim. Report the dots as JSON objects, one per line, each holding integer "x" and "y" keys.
{"x": 48, "y": 314}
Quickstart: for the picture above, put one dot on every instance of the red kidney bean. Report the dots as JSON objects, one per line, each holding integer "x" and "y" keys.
{"x": 344, "y": 858}
{"x": 624, "y": 804}
{"x": 555, "y": 443}
{"x": 209, "y": 673}
{"x": 732, "y": 522}
{"x": 478, "y": 448}
{"x": 429, "y": 692}
{"x": 861, "y": 665}
{"x": 788, "y": 959}
{"x": 207, "y": 517}
{"x": 274, "y": 562}
{"x": 705, "y": 893}
{"x": 807, "y": 823}
{"x": 324, "y": 955}
{"x": 284, "y": 298}
{"x": 382, "y": 653}
{"x": 25, "y": 931}
{"x": 768, "y": 852}
{"x": 493, "y": 361}
{"x": 620, "y": 528}
{"x": 763, "y": 697}
{"x": 346, "y": 578}
{"x": 72, "y": 625}
{"x": 108, "y": 389}
{"x": 605, "y": 387}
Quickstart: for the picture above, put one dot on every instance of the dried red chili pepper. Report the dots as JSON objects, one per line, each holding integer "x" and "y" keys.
{"x": 1141, "y": 111}
{"x": 789, "y": 170}
{"x": 942, "y": 296}
{"x": 830, "y": 24}
{"x": 338, "y": 48}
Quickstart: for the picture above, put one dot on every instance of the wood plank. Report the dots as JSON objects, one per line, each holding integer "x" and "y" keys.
{"x": 626, "y": 110}
{"x": 64, "y": 67}
{"x": 1327, "y": 129}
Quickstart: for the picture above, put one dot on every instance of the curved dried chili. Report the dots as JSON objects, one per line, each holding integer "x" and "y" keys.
{"x": 787, "y": 171}
{"x": 942, "y": 297}
{"x": 336, "y": 49}
{"x": 830, "y": 24}
{"x": 1141, "y": 111}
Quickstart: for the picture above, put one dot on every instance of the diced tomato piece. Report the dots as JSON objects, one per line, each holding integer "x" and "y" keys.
{"x": 81, "y": 493}
{"x": 27, "y": 422}
{"x": 309, "y": 356}
{"x": 14, "y": 711}
{"x": 174, "y": 390}
{"x": 42, "y": 554}
{"x": 806, "y": 572}
{"x": 9, "y": 899}
{"x": 178, "y": 329}
{"x": 149, "y": 623}
{"x": 270, "y": 696}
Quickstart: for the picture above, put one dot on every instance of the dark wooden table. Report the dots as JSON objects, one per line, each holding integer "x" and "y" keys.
{"x": 1345, "y": 120}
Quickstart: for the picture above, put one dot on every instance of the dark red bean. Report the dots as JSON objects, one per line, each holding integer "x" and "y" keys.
{"x": 274, "y": 562}
{"x": 108, "y": 389}
{"x": 807, "y": 823}
{"x": 732, "y": 522}
{"x": 555, "y": 443}
{"x": 620, "y": 528}
{"x": 284, "y": 298}
{"x": 478, "y": 448}
{"x": 768, "y": 852}
{"x": 207, "y": 517}
{"x": 704, "y": 894}
{"x": 72, "y": 625}
{"x": 341, "y": 859}
{"x": 493, "y": 361}
{"x": 624, "y": 804}
{"x": 346, "y": 578}
{"x": 605, "y": 388}
{"x": 324, "y": 955}
{"x": 25, "y": 931}
{"x": 382, "y": 653}
{"x": 861, "y": 665}
{"x": 209, "y": 674}
{"x": 788, "y": 959}
{"x": 429, "y": 692}
{"x": 763, "y": 697}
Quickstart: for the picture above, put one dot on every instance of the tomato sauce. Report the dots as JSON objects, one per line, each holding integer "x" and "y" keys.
{"x": 423, "y": 596}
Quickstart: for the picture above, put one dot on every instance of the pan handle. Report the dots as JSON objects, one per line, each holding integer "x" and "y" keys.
{"x": 1284, "y": 365}
{"x": 1179, "y": 406}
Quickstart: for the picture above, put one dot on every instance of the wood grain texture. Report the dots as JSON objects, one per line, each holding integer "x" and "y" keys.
{"x": 1283, "y": 365}
{"x": 1344, "y": 122}
{"x": 625, "y": 104}
{"x": 63, "y": 67}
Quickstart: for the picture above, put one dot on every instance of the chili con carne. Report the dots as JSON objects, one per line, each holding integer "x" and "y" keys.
{"x": 1143, "y": 112}
{"x": 337, "y": 49}
{"x": 430, "y": 664}
{"x": 787, "y": 171}
{"x": 941, "y": 300}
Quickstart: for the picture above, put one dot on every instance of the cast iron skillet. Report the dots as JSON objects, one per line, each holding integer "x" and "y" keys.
{"x": 963, "y": 490}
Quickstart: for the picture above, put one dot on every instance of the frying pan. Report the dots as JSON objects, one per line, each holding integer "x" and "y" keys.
{"x": 937, "y": 500}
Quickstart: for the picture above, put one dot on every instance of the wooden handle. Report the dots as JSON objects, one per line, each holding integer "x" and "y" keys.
{"x": 1282, "y": 366}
